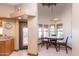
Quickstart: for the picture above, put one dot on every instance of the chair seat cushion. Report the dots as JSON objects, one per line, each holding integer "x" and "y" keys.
{"x": 60, "y": 41}
{"x": 45, "y": 39}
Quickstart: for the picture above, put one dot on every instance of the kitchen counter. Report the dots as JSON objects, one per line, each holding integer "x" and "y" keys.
{"x": 5, "y": 39}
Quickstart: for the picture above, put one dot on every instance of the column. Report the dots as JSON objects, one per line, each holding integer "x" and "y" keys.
{"x": 33, "y": 36}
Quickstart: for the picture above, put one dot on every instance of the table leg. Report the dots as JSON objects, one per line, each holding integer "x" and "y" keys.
{"x": 48, "y": 44}
{"x": 56, "y": 45}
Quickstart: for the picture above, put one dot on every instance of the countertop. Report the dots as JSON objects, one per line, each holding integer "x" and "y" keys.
{"x": 5, "y": 39}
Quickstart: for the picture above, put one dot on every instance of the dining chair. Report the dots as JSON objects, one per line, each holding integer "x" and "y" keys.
{"x": 48, "y": 43}
{"x": 53, "y": 42}
{"x": 63, "y": 43}
{"x": 44, "y": 42}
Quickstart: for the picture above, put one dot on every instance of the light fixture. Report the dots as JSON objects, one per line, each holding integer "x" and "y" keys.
{"x": 18, "y": 9}
{"x": 49, "y": 4}
{"x": 55, "y": 19}
{"x": 19, "y": 17}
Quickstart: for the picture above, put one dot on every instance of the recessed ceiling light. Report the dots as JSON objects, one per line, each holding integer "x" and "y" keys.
{"x": 19, "y": 17}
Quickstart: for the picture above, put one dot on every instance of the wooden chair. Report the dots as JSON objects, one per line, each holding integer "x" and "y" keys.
{"x": 53, "y": 42}
{"x": 44, "y": 42}
{"x": 47, "y": 42}
{"x": 63, "y": 44}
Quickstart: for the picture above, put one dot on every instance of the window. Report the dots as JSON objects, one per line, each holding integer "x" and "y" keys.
{"x": 52, "y": 30}
{"x": 25, "y": 36}
{"x": 40, "y": 32}
{"x": 45, "y": 32}
{"x": 60, "y": 30}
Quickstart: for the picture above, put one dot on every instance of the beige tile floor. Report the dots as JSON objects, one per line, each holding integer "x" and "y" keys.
{"x": 52, "y": 52}
{"x": 44, "y": 52}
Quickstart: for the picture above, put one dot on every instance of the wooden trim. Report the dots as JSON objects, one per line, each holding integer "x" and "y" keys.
{"x": 22, "y": 21}
{"x": 32, "y": 54}
{"x": 16, "y": 50}
{"x": 11, "y": 18}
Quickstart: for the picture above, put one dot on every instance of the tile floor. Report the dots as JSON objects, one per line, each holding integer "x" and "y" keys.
{"x": 44, "y": 52}
{"x": 52, "y": 52}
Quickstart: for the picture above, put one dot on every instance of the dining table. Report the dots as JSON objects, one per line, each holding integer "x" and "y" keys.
{"x": 49, "y": 39}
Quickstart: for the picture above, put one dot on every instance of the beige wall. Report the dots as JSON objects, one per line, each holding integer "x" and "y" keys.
{"x": 13, "y": 32}
{"x": 30, "y": 9}
{"x": 25, "y": 9}
{"x": 6, "y": 10}
{"x": 66, "y": 17}
{"x": 43, "y": 14}
{"x": 9, "y": 32}
{"x": 75, "y": 29}
{"x": 17, "y": 35}
{"x": 64, "y": 13}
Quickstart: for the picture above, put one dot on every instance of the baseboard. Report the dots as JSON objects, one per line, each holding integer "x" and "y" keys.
{"x": 32, "y": 54}
{"x": 16, "y": 50}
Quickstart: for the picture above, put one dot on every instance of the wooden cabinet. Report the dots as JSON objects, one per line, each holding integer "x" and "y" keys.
{"x": 1, "y": 48}
{"x": 6, "y": 47}
{"x": 0, "y": 22}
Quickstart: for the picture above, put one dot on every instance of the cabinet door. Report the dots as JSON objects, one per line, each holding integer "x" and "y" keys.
{"x": 2, "y": 50}
{"x": 12, "y": 44}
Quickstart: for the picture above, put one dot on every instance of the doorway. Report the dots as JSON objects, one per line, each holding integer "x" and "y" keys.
{"x": 23, "y": 31}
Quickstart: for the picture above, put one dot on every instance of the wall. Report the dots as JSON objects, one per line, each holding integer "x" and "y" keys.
{"x": 61, "y": 11}
{"x": 25, "y": 9}
{"x": 44, "y": 14}
{"x": 75, "y": 29}
{"x": 30, "y": 9}
{"x": 9, "y": 32}
{"x": 6, "y": 10}
{"x": 17, "y": 35}
{"x": 13, "y": 32}
{"x": 64, "y": 13}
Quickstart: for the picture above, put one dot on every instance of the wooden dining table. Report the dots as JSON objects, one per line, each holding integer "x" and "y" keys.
{"x": 49, "y": 39}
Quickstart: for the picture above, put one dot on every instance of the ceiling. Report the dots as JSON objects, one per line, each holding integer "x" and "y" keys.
{"x": 14, "y": 4}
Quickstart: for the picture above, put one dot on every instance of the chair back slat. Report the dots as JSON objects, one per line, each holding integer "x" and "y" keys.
{"x": 67, "y": 39}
